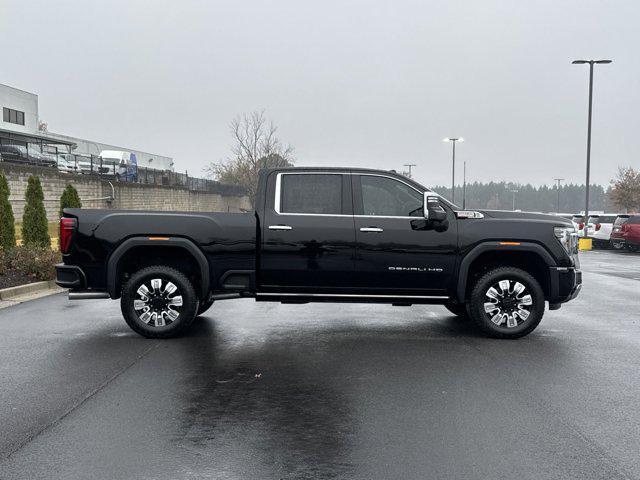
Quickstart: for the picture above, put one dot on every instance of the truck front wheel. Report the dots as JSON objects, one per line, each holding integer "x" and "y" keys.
{"x": 158, "y": 302}
{"x": 506, "y": 302}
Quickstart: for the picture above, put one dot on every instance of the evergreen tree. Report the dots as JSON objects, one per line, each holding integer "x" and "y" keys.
{"x": 34, "y": 218}
{"x": 7, "y": 222}
{"x": 70, "y": 198}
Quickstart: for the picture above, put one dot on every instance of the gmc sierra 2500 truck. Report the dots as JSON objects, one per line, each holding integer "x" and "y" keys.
{"x": 324, "y": 235}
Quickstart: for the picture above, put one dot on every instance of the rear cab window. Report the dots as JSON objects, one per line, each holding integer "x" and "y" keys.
{"x": 621, "y": 219}
{"x": 311, "y": 194}
{"x": 596, "y": 219}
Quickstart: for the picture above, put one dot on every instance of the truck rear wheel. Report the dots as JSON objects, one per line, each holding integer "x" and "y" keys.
{"x": 158, "y": 302}
{"x": 506, "y": 302}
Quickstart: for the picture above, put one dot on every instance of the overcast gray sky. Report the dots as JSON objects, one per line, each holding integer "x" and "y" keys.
{"x": 360, "y": 83}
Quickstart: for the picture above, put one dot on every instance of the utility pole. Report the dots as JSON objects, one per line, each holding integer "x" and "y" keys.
{"x": 409, "y": 165}
{"x": 591, "y": 64}
{"x": 559, "y": 180}
{"x": 453, "y": 165}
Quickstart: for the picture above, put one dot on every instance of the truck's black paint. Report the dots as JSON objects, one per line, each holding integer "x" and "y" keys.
{"x": 412, "y": 261}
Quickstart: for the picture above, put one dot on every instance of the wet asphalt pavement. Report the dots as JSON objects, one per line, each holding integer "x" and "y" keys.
{"x": 269, "y": 391}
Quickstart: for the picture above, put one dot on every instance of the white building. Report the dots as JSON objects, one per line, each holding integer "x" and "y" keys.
{"x": 21, "y": 126}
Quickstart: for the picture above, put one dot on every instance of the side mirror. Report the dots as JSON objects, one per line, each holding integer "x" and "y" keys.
{"x": 433, "y": 211}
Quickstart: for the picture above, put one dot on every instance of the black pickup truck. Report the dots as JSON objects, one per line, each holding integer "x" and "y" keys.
{"x": 324, "y": 235}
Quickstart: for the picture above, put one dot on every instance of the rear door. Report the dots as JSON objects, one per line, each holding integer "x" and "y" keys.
{"x": 395, "y": 254}
{"x": 308, "y": 239}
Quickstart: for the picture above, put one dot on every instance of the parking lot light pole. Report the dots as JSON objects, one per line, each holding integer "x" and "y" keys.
{"x": 453, "y": 165}
{"x": 464, "y": 185}
{"x": 513, "y": 207}
{"x": 591, "y": 64}
{"x": 558, "y": 180}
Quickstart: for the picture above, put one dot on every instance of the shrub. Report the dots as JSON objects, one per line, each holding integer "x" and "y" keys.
{"x": 34, "y": 218}
{"x": 7, "y": 222}
{"x": 70, "y": 198}
{"x": 3, "y": 262}
{"x": 36, "y": 262}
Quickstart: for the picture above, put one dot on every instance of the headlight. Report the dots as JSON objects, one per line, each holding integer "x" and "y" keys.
{"x": 568, "y": 238}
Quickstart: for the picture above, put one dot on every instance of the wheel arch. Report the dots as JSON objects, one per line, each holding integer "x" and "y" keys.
{"x": 531, "y": 257}
{"x": 166, "y": 248}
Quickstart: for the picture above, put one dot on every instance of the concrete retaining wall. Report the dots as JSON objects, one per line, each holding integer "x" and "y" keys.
{"x": 130, "y": 196}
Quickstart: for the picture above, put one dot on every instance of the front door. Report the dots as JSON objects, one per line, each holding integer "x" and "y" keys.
{"x": 308, "y": 238}
{"x": 397, "y": 251}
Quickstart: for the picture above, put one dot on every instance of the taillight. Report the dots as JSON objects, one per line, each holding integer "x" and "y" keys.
{"x": 67, "y": 227}
{"x": 581, "y": 226}
{"x": 598, "y": 226}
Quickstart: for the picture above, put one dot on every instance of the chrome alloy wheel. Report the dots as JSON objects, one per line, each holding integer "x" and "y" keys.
{"x": 157, "y": 304}
{"x": 508, "y": 302}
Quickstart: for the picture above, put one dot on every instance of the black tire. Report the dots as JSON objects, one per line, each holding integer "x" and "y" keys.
{"x": 139, "y": 309}
{"x": 204, "y": 306}
{"x": 460, "y": 310}
{"x": 633, "y": 248}
{"x": 511, "y": 304}
{"x": 617, "y": 245}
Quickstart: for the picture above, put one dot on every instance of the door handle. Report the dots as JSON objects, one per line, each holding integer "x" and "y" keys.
{"x": 280, "y": 227}
{"x": 371, "y": 229}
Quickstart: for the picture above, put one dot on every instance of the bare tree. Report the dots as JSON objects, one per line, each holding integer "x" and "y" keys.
{"x": 256, "y": 146}
{"x": 626, "y": 189}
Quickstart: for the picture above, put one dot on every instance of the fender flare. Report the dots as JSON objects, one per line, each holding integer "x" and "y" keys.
{"x": 497, "y": 246}
{"x": 178, "y": 242}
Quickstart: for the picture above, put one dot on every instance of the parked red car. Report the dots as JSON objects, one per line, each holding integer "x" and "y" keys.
{"x": 626, "y": 232}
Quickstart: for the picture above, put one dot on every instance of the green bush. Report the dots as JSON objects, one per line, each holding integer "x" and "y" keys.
{"x": 4, "y": 263}
{"x": 34, "y": 218}
{"x": 35, "y": 262}
{"x": 70, "y": 198}
{"x": 7, "y": 225}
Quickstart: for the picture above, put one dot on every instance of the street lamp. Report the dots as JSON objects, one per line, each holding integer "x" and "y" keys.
{"x": 559, "y": 180}
{"x": 464, "y": 185}
{"x": 453, "y": 165}
{"x": 513, "y": 207}
{"x": 591, "y": 64}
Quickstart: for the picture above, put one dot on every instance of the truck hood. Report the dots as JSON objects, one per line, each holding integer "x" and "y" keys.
{"x": 507, "y": 214}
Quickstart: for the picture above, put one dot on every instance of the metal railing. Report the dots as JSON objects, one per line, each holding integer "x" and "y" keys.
{"x": 108, "y": 169}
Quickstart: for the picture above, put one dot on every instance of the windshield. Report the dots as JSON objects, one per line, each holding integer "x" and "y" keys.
{"x": 621, "y": 219}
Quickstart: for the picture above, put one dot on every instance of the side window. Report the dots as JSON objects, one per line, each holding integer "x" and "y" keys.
{"x": 311, "y": 193}
{"x": 387, "y": 197}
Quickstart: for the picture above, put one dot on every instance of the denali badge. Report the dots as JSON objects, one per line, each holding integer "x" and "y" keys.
{"x": 416, "y": 269}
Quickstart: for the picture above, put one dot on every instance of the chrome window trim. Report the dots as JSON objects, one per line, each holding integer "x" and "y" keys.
{"x": 276, "y": 204}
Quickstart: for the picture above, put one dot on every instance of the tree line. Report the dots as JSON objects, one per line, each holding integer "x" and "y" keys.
{"x": 622, "y": 196}
{"x": 501, "y": 196}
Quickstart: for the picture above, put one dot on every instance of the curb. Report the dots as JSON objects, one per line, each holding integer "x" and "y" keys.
{"x": 12, "y": 292}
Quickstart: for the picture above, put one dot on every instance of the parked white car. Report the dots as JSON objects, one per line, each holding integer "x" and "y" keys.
{"x": 599, "y": 229}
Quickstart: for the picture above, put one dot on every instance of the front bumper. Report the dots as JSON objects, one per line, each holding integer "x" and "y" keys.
{"x": 566, "y": 283}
